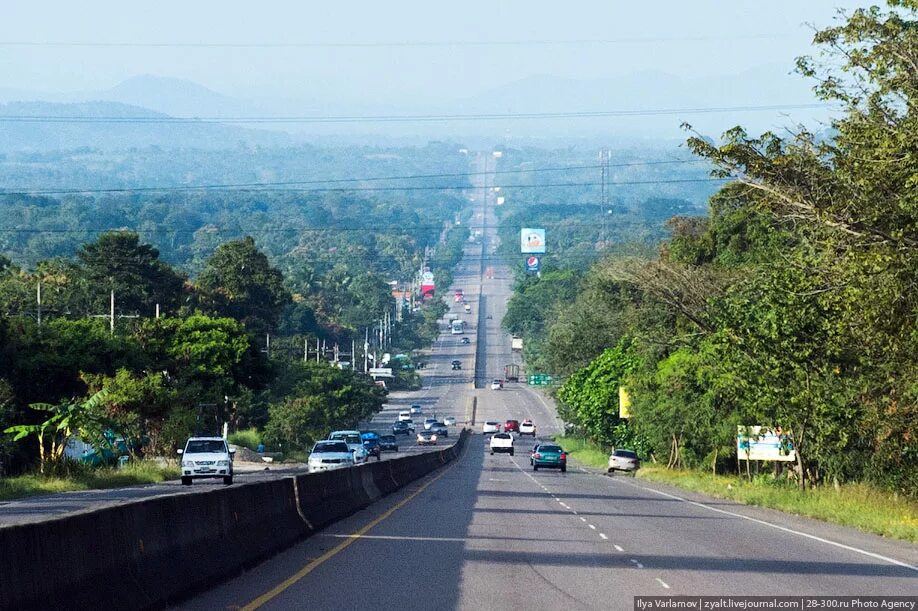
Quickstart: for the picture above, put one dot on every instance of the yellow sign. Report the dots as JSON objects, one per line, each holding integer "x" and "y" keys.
{"x": 624, "y": 403}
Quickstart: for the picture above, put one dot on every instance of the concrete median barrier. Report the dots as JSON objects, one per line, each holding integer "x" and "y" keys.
{"x": 146, "y": 553}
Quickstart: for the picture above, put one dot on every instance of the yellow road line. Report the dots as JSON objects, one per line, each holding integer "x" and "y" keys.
{"x": 287, "y": 583}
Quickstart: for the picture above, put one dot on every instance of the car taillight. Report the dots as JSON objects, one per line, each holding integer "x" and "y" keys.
{"x": 563, "y": 456}
{"x": 537, "y": 455}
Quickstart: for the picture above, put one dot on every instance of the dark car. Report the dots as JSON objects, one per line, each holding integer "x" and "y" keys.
{"x": 465, "y": 340}
{"x": 457, "y": 364}
{"x": 512, "y": 426}
{"x": 373, "y": 447}
{"x": 548, "y": 456}
{"x": 401, "y": 428}
{"x": 440, "y": 429}
{"x": 388, "y": 443}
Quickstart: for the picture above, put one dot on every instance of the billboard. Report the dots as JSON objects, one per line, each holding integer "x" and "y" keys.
{"x": 427, "y": 283}
{"x": 763, "y": 443}
{"x": 533, "y": 264}
{"x": 532, "y": 241}
{"x": 624, "y": 403}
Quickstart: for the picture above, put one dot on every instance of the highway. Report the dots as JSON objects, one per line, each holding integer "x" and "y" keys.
{"x": 486, "y": 532}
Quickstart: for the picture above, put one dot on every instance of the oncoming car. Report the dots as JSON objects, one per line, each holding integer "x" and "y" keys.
{"x": 329, "y": 455}
{"x": 353, "y": 441}
{"x": 497, "y": 385}
{"x": 206, "y": 457}
{"x": 427, "y": 438}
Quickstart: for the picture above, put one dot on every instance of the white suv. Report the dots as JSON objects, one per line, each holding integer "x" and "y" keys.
{"x": 502, "y": 442}
{"x": 206, "y": 457}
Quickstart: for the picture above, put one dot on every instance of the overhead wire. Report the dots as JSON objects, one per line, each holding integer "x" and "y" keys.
{"x": 165, "y": 119}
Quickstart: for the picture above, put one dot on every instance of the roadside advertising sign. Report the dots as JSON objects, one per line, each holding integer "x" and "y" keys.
{"x": 763, "y": 443}
{"x": 533, "y": 264}
{"x": 532, "y": 241}
{"x": 624, "y": 403}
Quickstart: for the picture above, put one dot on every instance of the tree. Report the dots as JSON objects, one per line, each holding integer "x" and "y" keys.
{"x": 238, "y": 281}
{"x": 118, "y": 262}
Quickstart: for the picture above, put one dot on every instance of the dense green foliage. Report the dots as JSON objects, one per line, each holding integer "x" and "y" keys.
{"x": 235, "y": 318}
{"x": 791, "y": 305}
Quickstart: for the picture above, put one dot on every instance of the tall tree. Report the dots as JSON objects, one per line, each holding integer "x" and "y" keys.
{"x": 239, "y": 281}
{"x": 118, "y": 262}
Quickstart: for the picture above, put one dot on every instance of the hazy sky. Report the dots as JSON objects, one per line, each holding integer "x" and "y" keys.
{"x": 688, "y": 38}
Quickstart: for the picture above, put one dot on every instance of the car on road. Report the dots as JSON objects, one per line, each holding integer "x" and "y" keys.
{"x": 415, "y": 410}
{"x": 456, "y": 364}
{"x": 548, "y": 456}
{"x": 490, "y": 317}
{"x": 497, "y": 384}
{"x": 512, "y": 426}
{"x": 371, "y": 445}
{"x": 428, "y": 422}
{"x": 624, "y": 460}
{"x": 404, "y": 415}
{"x": 353, "y": 441}
{"x": 465, "y": 340}
{"x": 439, "y": 429}
{"x": 400, "y": 427}
{"x": 388, "y": 443}
{"x": 449, "y": 421}
{"x": 427, "y": 438}
{"x": 490, "y": 427}
{"x": 329, "y": 455}
{"x": 502, "y": 442}
{"x": 207, "y": 457}
{"x": 527, "y": 427}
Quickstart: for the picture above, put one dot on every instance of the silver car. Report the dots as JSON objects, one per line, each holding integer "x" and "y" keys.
{"x": 624, "y": 460}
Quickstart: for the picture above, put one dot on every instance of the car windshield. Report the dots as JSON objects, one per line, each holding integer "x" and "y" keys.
{"x": 551, "y": 449}
{"x": 502, "y": 436}
{"x": 203, "y": 446}
{"x": 330, "y": 446}
{"x": 387, "y": 438}
{"x": 491, "y": 423}
{"x": 624, "y": 453}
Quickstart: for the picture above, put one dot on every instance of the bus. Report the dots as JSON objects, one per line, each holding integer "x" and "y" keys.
{"x": 456, "y": 327}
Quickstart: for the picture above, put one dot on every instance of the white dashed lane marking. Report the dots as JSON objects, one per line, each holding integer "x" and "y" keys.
{"x": 619, "y": 548}
{"x": 591, "y": 526}
{"x": 662, "y": 583}
{"x": 636, "y": 563}
{"x": 603, "y": 537}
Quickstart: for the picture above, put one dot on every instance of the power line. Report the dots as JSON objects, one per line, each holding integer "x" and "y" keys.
{"x": 221, "y": 186}
{"x": 272, "y": 189}
{"x": 390, "y": 44}
{"x": 317, "y": 119}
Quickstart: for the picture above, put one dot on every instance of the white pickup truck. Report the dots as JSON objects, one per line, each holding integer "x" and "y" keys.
{"x": 502, "y": 442}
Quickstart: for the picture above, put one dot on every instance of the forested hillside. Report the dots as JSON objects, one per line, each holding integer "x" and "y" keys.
{"x": 791, "y": 304}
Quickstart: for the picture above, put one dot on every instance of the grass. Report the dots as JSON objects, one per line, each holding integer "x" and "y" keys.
{"x": 247, "y": 438}
{"x": 856, "y": 505}
{"x": 137, "y": 473}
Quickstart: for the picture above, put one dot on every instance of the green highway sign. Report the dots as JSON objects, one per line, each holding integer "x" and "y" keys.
{"x": 540, "y": 379}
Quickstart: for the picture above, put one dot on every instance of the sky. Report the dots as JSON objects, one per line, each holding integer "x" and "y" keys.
{"x": 365, "y": 54}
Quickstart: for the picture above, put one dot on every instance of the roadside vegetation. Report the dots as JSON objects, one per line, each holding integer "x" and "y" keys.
{"x": 790, "y": 305}
{"x": 858, "y": 505}
{"x": 234, "y": 310}
{"x": 80, "y": 477}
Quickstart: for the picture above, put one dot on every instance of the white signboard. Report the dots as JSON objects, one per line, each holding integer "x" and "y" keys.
{"x": 380, "y": 372}
{"x": 763, "y": 443}
{"x": 532, "y": 241}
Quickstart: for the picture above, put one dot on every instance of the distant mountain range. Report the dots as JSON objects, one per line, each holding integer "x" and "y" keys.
{"x": 157, "y": 96}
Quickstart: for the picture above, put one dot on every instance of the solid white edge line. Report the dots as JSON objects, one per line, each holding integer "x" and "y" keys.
{"x": 783, "y": 528}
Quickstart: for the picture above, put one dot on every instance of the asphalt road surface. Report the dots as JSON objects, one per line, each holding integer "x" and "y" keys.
{"x": 486, "y": 532}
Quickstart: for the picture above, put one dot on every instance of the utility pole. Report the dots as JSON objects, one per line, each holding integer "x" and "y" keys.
{"x": 317, "y": 349}
{"x": 157, "y": 311}
{"x": 38, "y": 298}
{"x": 366, "y": 347}
{"x": 305, "y": 349}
